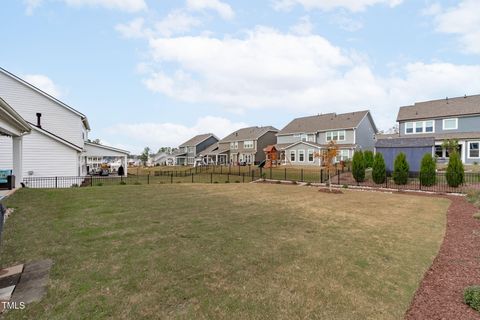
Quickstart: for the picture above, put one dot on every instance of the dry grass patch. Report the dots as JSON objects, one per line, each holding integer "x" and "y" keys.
{"x": 224, "y": 251}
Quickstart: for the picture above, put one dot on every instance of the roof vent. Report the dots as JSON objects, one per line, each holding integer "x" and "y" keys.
{"x": 39, "y": 119}
{"x": 446, "y": 99}
{"x": 465, "y": 96}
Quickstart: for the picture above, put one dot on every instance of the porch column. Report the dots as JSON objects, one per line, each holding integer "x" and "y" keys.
{"x": 17, "y": 150}
{"x": 125, "y": 165}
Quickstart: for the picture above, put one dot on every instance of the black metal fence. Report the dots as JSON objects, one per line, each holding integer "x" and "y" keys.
{"x": 341, "y": 176}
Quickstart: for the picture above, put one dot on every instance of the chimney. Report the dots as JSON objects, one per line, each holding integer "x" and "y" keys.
{"x": 39, "y": 117}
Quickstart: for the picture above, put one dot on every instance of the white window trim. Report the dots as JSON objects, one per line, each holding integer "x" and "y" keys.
{"x": 301, "y": 152}
{"x": 313, "y": 155}
{"x": 290, "y": 156}
{"x": 468, "y": 153}
{"x": 456, "y": 124}
{"x": 424, "y": 127}
{"x": 338, "y": 135}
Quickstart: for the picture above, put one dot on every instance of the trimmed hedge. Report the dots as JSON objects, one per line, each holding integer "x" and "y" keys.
{"x": 358, "y": 166}
{"x": 368, "y": 157}
{"x": 471, "y": 296}
{"x": 401, "y": 169}
{"x": 379, "y": 169}
{"x": 455, "y": 173}
{"x": 428, "y": 171}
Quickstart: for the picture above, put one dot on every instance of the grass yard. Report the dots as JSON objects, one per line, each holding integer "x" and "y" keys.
{"x": 231, "y": 251}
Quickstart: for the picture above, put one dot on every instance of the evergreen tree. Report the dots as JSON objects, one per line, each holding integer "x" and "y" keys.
{"x": 455, "y": 173}
{"x": 379, "y": 169}
{"x": 401, "y": 169}
{"x": 368, "y": 157}
{"x": 358, "y": 166}
{"x": 428, "y": 170}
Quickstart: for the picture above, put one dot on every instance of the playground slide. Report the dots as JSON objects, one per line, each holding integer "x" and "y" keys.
{"x": 262, "y": 164}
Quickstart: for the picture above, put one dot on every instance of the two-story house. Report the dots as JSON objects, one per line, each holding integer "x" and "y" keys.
{"x": 305, "y": 137}
{"x": 189, "y": 150}
{"x": 243, "y": 146}
{"x": 425, "y": 126}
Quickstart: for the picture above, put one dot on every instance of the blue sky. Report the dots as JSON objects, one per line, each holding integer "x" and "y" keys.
{"x": 153, "y": 72}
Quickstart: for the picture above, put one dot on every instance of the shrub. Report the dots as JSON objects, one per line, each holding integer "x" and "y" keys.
{"x": 401, "y": 169}
{"x": 455, "y": 172}
{"x": 123, "y": 183}
{"x": 368, "y": 157}
{"x": 471, "y": 296}
{"x": 428, "y": 170}
{"x": 99, "y": 184}
{"x": 358, "y": 166}
{"x": 379, "y": 169}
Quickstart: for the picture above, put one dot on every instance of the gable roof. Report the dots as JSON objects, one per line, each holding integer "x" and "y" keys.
{"x": 11, "y": 116}
{"x": 250, "y": 133}
{"x": 325, "y": 122}
{"x": 197, "y": 140}
{"x": 64, "y": 105}
{"x": 459, "y": 106}
{"x": 55, "y": 137}
{"x": 101, "y": 146}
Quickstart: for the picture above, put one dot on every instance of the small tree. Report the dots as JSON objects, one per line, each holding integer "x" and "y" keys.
{"x": 145, "y": 155}
{"x": 327, "y": 157}
{"x": 401, "y": 169}
{"x": 455, "y": 173}
{"x": 450, "y": 145}
{"x": 428, "y": 170}
{"x": 379, "y": 169}
{"x": 358, "y": 166}
{"x": 368, "y": 157}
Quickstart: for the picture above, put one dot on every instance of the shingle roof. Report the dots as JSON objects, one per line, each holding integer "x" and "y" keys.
{"x": 250, "y": 133}
{"x": 196, "y": 140}
{"x": 324, "y": 122}
{"x": 405, "y": 142}
{"x": 466, "y": 105}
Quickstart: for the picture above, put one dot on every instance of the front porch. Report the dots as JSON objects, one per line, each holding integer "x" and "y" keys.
{"x": 98, "y": 151}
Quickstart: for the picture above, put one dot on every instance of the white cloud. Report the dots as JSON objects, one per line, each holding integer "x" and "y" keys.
{"x": 156, "y": 135}
{"x": 134, "y": 29}
{"x": 462, "y": 20}
{"x": 305, "y": 73}
{"x": 122, "y": 5}
{"x": 43, "y": 83}
{"x": 222, "y": 8}
{"x": 351, "y": 5}
{"x": 303, "y": 27}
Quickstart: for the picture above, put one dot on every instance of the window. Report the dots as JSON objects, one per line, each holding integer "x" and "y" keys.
{"x": 310, "y": 156}
{"x": 292, "y": 155}
{"x": 335, "y": 135}
{"x": 420, "y": 127}
{"x": 191, "y": 149}
{"x": 343, "y": 155}
{"x": 232, "y": 145}
{"x": 439, "y": 151}
{"x": 409, "y": 127}
{"x": 311, "y": 138}
{"x": 248, "y": 144}
{"x": 303, "y": 137}
{"x": 301, "y": 155}
{"x": 450, "y": 124}
{"x": 236, "y": 144}
{"x": 474, "y": 149}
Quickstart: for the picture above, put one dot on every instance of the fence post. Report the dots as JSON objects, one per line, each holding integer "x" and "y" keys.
{"x": 91, "y": 181}
{"x": 321, "y": 175}
{"x": 228, "y": 177}
{"x": 386, "y": 179}
{"x": 239, "y": 170}
{"x": 338, "y": 176}
{"x": 192, "y": 178}
{"x": 171, "y": 178}
{"x": 56, "y": 182}
{"x": 253, "y": 175}
{"x": 243, "y": 177}
{"x": 211, "y": 177}
{"x": 285, "y": 174}
{"x": 301, "y": 175}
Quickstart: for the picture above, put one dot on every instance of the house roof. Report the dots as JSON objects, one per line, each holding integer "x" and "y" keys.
{"x": 325, "y": 122}
{"x": 197, "y": 140}
{"x": 405, "y": 142}
{"x": 215, "y": 148}
{"x": 9, "y": 114}
{"x": 250, "y": 133}
{"x": 448, "y": 107}
{"x": 101, "y": 146}
{"x": 81, "y": 115}
{"x": 55, "y": 137}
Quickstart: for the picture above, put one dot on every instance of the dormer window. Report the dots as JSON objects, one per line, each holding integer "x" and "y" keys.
{"x": 450, "y": 124}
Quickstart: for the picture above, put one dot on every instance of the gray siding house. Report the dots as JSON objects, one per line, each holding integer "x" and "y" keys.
{"x": 242, "y": 146}
{"x": 189, "y": 150}
{"x": 445, "y": 119}
{"x": 304, "y": 137}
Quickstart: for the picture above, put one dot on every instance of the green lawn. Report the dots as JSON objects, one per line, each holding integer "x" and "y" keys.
{"x": 223, "y": 251}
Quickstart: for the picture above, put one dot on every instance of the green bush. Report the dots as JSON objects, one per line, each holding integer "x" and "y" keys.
{"x": 471, "y": 296}
{"x": 123, "y": 183}
{"x": 401, "y": 169}
{"x": 99, "y": 184}
{"x": 379, "y": 169}
{"x": 368, "y": 157}
{"x": 455, "y": 172}
{"x": 428, "y": 170}
{"x": 358, "y": 166}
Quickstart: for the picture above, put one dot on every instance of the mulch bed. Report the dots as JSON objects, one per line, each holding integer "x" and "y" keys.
{"x": 457, "y": 265}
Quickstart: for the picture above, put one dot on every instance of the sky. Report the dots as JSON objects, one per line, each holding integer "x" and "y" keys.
{"x": 157, "y": 72}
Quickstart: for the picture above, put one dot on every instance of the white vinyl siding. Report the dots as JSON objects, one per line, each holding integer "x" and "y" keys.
{"x": 450, "y": 124}
{"x": 55, "y": 118}
{"x": 6, "y": 153}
